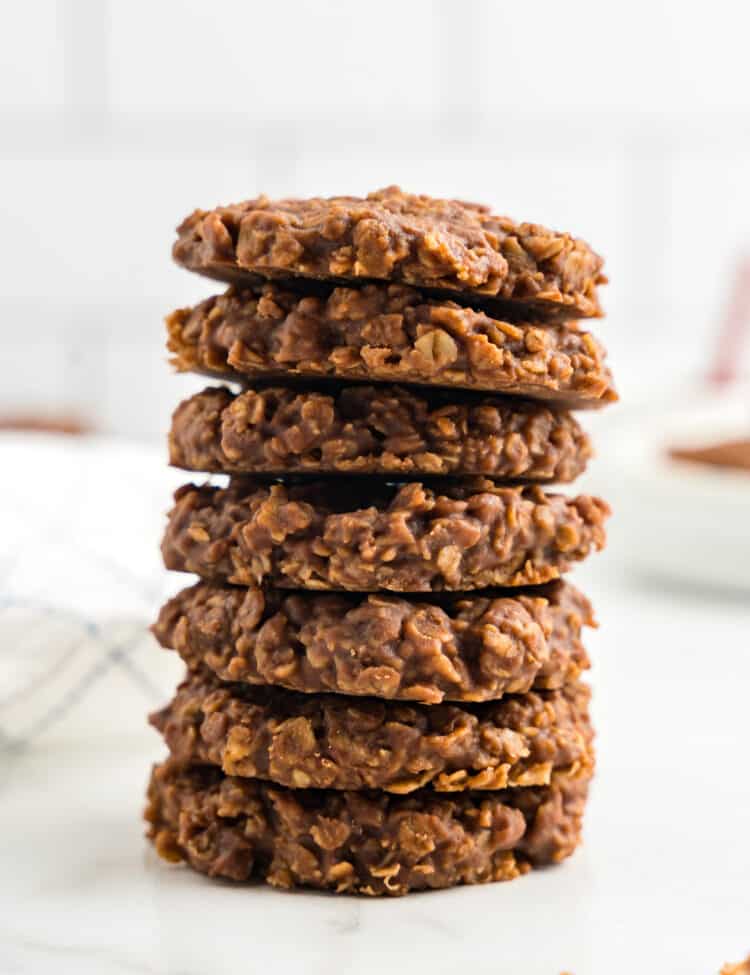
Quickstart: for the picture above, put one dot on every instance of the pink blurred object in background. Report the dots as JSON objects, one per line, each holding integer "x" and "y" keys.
{"x": 732, "y": 335}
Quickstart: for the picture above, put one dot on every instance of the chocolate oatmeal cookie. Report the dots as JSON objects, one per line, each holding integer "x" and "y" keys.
{"x": 363, "y": 536}
{"x": 334, "y": 742}
{"x": 430, "y": 649}
{"x": 447, "y": 245}
{"x": 375, "y": 430}
{"x": 387, "y": 333}
{"x": 358, "y": 842}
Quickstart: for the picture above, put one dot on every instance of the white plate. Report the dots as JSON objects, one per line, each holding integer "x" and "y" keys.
{"x": 675, "y": 519}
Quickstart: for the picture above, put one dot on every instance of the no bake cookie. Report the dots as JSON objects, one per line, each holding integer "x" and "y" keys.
{"x": 358, "y": 842}
{"x": 364, "y": 536}
{"x": 427, "y": 649}
{"x": 374, "y": 430}
{"x": 448, "y": 245}
{"x": 333, "y": 742}
{"x": 387, "y": 333}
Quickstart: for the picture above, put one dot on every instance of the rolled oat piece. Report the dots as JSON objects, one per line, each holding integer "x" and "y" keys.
{"x": 358, "y": 842}
{"x": 430, "y": 649}
{"x": 333, "y": 742}
{"x": 364, "y": 536}
{"x": 375, "y": 430}
{"x": 387, "y": 333}
{"x": 448, "y": 245}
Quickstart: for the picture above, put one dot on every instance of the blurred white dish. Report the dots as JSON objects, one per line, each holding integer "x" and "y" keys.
{"x": 687, "y": 521}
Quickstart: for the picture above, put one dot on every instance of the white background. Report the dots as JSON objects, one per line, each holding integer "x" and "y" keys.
{"x": 627, "y": 124}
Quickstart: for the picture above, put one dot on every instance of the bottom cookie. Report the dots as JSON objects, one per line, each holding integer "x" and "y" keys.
{"x": 358, "y": 842}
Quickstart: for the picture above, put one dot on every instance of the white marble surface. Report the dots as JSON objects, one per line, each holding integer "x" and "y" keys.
{"x": 660, "y": 884}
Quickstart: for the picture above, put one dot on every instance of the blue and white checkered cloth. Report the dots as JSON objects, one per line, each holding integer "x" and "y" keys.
{"x": 80, "y": 581}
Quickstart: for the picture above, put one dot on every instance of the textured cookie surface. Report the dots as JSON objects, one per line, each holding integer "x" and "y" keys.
{"x": 394, "y": 236}
{"x": 358, "y": 842}
{"x": 363, "y": 536}
{"x": 334, "y": 742}
{"x": 375, "y": 430}
{"x": 387, "y": 333}
{"x": 425, "y": 649}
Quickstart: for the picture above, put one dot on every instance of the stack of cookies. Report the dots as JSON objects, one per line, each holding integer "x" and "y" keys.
{"x": 383, "y": 685}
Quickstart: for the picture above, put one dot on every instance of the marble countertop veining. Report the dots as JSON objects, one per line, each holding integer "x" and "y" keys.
{"x": 659, "y": 885}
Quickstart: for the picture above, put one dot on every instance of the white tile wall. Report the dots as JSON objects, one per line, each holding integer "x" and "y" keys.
{"x": 628, "y": 124}
{"x": 100, "y": 229}
{"x": 274, "y": 61}
{"x": 32, "y": 64}
{"x": 648, "y": 58}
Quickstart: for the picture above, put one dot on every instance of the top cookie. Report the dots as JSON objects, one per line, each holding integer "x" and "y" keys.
{"x": 448, "y": 245}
